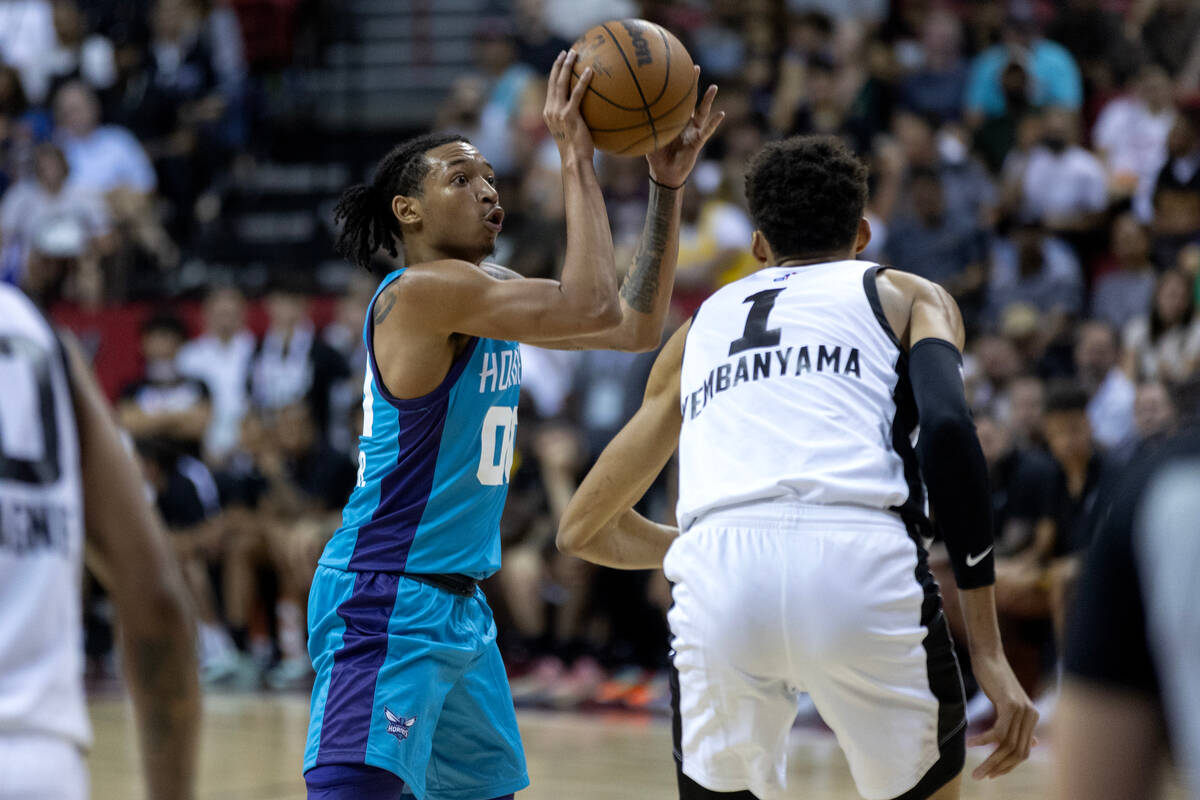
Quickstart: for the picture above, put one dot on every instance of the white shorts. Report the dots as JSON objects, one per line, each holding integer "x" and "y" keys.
{"x": 776, "y": 599}
{"x": 41, "y": 767}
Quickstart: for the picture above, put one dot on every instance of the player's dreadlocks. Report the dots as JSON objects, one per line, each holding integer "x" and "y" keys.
{"x": 806, "y": 194}
{"x": 365, "y": 210}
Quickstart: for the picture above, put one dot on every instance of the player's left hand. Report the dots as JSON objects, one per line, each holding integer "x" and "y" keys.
{"x": 1016, "y": 718}
{"x": 671, "y": 165}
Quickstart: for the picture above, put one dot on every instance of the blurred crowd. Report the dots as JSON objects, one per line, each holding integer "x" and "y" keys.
{"x": 1041, "y": 160}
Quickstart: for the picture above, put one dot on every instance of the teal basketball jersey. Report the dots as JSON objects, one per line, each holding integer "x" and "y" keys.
{"x": 433, "y": 470}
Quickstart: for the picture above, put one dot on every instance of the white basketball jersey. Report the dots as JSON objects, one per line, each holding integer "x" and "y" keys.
{"x": 41, "y": 532}
{"x": 792, "y": 386}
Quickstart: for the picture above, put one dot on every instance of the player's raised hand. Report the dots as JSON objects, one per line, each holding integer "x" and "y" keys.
{"x": 1016, "y": 718}
{"x": 561, "y": 112}
{"x": 672, "y": 164}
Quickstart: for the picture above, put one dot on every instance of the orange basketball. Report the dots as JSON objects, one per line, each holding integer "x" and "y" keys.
{"x": 643, "y": 90}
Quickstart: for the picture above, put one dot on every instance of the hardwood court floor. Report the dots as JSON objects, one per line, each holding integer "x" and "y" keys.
{"x": 252, "y": 747}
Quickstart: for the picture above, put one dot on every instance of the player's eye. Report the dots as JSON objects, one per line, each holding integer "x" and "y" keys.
{"x": 491, "y": 179}
{"x": 460, "y": 179}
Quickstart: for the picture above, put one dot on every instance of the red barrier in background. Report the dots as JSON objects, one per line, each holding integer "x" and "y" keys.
{"x": 110, "y": 335}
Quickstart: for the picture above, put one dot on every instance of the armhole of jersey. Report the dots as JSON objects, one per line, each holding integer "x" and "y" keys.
{"x": 441, "y": 390}
{"x": 872, "y": 292}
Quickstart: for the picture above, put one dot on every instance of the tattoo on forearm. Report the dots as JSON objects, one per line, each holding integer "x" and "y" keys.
{"x": 384, "y": 304}
{"x": 640, "y": 288}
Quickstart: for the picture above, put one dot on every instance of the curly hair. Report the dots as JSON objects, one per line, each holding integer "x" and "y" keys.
{"x": 806, "y": 194}
{"x": 365, "y": 210}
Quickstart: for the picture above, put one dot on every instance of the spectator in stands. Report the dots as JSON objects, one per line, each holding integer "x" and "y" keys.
{"x": 997, "y": 136}
{"x": 1095, "y": 36}
{"x": 1154, "y": 411}
{"x": 187, "y": 501}
{"x": 809, "y": 35}
{"x": 1061, "y": 185}
{"x": 1154, "y": 416}
{"x": 292, "y": 363}
{"x": 220, "y": 357}
{"x": 1131, "y": 133}
{"x": 1026, "y": 411}
{"x": 507, "y": 78}
{"x": 713, "y": 240}
{"x": 26, "y": 33}
{"x": 1110, "y": 392}
{"x": 822, "y": 110}
{"x": 1022, "y": 480}
{"x": 1126, "y": 293}
{"x": 164, "y": 404}
{"x": 1164, "y": 344}
{"x": 49, "y": 216}
{"x": 935, "y": 88}
{"x": 107, "y": 159}
{"x": 934, "y": 244}
{"x": 75, "y": 54}
{"x": 1170, "y": 32}
{"x": 172, "y": 102}
{"x": 13, "y": 108}
{"x": 1055, "y": 79}
{"x": 103, "y": 158}
{"x": 1037, "y": 270}
{"x": 1177, "y": 190}
{"x": 967, "y": 190}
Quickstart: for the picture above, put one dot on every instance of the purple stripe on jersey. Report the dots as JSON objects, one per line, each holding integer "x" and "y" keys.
{"x": 356, "y": 665}
{"x": 404, "y": 492}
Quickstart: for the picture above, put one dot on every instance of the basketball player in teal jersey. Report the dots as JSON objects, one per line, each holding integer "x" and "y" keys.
{"x": 411, "y": 695}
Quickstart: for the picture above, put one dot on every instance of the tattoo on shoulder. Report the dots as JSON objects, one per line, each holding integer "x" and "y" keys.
{"x": 384, "y": 304}
{"x": 500, "y": 273}
{"x": 640, "y": 287}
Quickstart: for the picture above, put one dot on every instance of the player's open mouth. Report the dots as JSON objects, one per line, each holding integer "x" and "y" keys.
{"x": 495, "y": 219}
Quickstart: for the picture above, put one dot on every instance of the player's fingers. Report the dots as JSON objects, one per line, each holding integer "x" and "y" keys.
{"x": 580, "y": 88}
{"x": 711, "y": 125}
{"x": 706, "y": 102}
{"x": 565, "y": 73}
{"x": 1028, "y": 726}
{"x": 988, "y": 768}
{"x": 552, "y": 82}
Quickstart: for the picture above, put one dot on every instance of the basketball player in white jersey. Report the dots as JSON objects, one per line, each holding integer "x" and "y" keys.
{"x": 63, "y": 470}
{"x": 799, "y": 565}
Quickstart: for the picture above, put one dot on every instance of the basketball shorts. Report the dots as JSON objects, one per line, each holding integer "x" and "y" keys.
{"x": 41, "y": 767}
{"x": 774, "y": 599}
{"x": 409, "y": 679}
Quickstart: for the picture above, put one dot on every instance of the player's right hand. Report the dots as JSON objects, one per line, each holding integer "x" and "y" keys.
{"x": 1016, "y": 718}
{"x": 561, "y": 113}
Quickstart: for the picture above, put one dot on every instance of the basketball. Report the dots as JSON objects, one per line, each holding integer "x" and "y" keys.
{"x": 643, "y": 90}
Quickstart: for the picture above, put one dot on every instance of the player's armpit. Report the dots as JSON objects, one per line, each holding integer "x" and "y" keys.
{"x": 599, "y": 524}
{"x": 451, "y": 297}
{"x": 918, "y": 309}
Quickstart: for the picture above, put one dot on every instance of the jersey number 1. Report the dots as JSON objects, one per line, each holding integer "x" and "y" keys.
{"x": 496, "y": 445}
{"x": 756, "y": 334}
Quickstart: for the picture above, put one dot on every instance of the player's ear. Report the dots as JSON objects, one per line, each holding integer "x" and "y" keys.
{"x": 406, "y": 209}
{"x": 760, "y": 249}
{"x": 864, "y": 236}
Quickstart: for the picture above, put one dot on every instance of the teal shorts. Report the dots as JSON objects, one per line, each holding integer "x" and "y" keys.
{"x": 409, "y": 679}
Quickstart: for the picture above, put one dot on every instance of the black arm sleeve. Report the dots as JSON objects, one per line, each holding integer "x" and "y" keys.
{"x": 952, "y": 462}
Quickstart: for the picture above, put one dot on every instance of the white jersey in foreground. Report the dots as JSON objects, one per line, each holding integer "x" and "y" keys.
{"x": 790, "y": 388}
{"x": 41, "y": 532}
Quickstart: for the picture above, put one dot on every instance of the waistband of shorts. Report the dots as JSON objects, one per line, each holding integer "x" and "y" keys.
{"x": 454, "y": 583}
{"x": 782, "y": 512}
